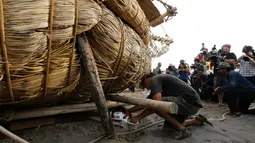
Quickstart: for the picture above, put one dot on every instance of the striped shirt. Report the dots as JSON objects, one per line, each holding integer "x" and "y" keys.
{"x": 247, "y": 69}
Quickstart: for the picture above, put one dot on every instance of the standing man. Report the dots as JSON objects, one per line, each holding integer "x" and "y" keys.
{"x": 230, "y": 58}
{"x": 241, "y": 92}
{"x": 247, "y": 68}
{"x": 171, "y": 89}
{"x": 158, "y": 68}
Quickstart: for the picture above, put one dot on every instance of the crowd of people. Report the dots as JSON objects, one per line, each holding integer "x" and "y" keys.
{"x": 215, "y": 75}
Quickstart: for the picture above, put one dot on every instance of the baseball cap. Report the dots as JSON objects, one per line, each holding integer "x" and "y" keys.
{"x": 223, "y": 65}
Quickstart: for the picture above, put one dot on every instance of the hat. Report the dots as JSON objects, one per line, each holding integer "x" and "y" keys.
{"x": 247, "y": 48}
{"x": 223, "y": 65}
{"x": 227, "y": 45}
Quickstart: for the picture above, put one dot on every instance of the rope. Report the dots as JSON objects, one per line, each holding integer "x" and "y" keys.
{"x": 164, "y": 31}
{"x": 74, "y": 42}
{"x": 49, "y": 49}
{"x": 4, "y": 51}
{"x": 129, "y": 132}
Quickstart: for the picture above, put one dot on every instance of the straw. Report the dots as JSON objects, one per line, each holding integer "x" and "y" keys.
{"x": 131, "y": 12}
{"x": 120, "y": 54}
{"x": 26, "y": 25}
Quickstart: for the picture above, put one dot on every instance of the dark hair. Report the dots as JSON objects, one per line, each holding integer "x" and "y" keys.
{"x": 148, "y": 75}
{"x": 197, "y": 60}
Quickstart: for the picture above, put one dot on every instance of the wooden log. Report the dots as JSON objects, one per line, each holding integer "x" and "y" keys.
{"x": 169, "y": 107}
{"x": 158, "y": 20}
{"x": 89, "y": 69}
{"x": 12, "y": 136}
{"x": 58, "y": 110}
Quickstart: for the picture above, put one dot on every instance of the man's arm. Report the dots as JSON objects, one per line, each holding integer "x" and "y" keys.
{"x": 240, "y": 59}
{"x": 230, "y": 85}
{"x": 230, "y": 61}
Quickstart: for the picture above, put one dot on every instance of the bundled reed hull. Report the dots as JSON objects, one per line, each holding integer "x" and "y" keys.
{"x": 42, "y": 59}
{"x": 131, "y": 12}
{"x": 121, "y": 56}
{"x": 28, "y": 38}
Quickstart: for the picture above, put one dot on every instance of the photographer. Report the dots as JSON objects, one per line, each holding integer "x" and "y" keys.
{"x": 247, "y": 67}
{"x": 171, "y": 70}
{"x": 198, "y": 78}
{"x": 227, "y": 56}
{"x": 183, "y": 71}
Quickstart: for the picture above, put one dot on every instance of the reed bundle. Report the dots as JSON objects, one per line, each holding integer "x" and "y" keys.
{"x": 38, "y": 37}
{"x": 121, "y": 56}
{"x": 131, "y": 12}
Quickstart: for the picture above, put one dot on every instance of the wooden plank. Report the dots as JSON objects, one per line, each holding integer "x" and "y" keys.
{"x": 150, "y": 10}
{"x": 89, "y": 69}
{"x": 158, "y": 20}
{"x": 31, "y": 123}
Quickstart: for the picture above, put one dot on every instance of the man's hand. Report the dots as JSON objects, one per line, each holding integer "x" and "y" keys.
{"x": 127, "y": 112}
{"x": 220, "y": 57}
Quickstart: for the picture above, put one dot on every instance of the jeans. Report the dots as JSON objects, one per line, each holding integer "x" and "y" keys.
{"x": 251, "y": 79}
{"x": 239, "y": 100}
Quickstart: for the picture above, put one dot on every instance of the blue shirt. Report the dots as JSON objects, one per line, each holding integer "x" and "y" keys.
{"x": 235, "y": 81}
{"x": 183, "y": 75}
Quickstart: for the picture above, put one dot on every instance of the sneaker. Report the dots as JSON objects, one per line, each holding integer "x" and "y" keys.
{"x": 203, "y": 120}
{"x": 236, "y": 114}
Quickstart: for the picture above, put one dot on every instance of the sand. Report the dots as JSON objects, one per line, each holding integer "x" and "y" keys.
{"x": 232, "y": 130}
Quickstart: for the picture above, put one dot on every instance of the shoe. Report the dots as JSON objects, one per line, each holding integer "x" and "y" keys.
{"x": 182, "y": 134}
{"x": 203, "y": 119}
{"x": 236, "y": 114}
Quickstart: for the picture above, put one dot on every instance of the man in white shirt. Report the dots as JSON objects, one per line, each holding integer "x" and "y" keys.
{"x": 247, "y": 68}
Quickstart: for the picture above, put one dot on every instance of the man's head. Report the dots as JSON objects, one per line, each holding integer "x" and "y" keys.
{"x": 159, "y": 64}
{"x": 247, "y": 49}
{"x": 223, "y": 68}
{"x": 226, "y": 48}
{"x": 196, "y": 61}
{"x": 200, "y": 69}
{"x": 238, "y": 66}
{"x": 146, "y": 80}
{"x": 182, "y": 61}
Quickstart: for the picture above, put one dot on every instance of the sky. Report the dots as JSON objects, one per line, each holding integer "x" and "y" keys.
{"x": 213, "y": 22}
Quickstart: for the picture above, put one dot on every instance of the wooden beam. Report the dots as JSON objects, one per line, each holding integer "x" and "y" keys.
{"x": 169, "y": 107}
{"x": 26, "y": 124}
{"x": 158, "y": 20}
{"x": 89, "y": 69}
{"x": 58, "y": 110}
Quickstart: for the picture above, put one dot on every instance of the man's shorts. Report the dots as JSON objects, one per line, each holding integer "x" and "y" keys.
{"x": 218, "y": 81}
{"x": 184, "y": 109}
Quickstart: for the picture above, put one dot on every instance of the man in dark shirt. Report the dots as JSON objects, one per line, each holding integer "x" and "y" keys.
{"x": 170, "y": 88}
{"x": 228, "y": 57}
{"x": 237, "y": 87}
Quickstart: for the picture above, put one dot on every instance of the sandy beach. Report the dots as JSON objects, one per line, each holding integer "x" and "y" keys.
{"x": 231, "y": 130}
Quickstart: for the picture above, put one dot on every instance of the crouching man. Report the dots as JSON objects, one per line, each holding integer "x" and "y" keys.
{"x": 240, "y": 92}
{"x": 171, "y": 89}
